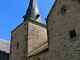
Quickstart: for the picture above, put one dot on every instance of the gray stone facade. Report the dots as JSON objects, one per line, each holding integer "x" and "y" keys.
{"x": 63, "y": 23}
{"x": 37, "y": 35}
{"x": 43, "y": 55}
{"x": 26, "y": 38}
{"x": 18, "y": 47}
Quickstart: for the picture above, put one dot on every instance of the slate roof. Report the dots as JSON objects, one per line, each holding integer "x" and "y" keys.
{"x": 33, "y": 11}
{"x": 4, "y": 46}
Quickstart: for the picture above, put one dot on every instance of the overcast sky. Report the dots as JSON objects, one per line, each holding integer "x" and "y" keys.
{"x": 12, "y": 11}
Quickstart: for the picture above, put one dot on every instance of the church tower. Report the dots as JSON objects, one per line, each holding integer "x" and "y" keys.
{"x": 29, "y": 35}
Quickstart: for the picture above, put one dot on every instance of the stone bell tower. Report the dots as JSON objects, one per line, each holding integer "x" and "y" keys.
{"x": 29, "y": 35}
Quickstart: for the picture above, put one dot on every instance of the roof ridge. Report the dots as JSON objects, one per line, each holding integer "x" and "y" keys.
{"x": 4, "y": 40}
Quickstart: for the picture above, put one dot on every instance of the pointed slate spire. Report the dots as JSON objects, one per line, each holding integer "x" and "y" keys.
{"x": 32, "y": 11}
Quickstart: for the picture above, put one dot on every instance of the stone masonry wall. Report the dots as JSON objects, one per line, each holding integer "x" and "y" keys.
{"x": 19, "y": 43}
{"x": 27, "y": 37}
{"x": 64, "y": 18}
{"x": 37, "y": 35}
{"x": 39, "y": 56}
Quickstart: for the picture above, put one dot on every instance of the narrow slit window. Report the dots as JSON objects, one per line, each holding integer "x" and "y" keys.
{"x": 17, "y": 45}
{"x": 63, "y": 9}
{"x": 72, "y": 34}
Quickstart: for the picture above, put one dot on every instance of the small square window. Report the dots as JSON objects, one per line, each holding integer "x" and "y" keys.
{"x": 64, "y": 10}
{"x": 72, "y": 34}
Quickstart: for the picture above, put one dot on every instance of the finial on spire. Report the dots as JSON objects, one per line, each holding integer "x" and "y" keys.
{"x": 32, "y": 11}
